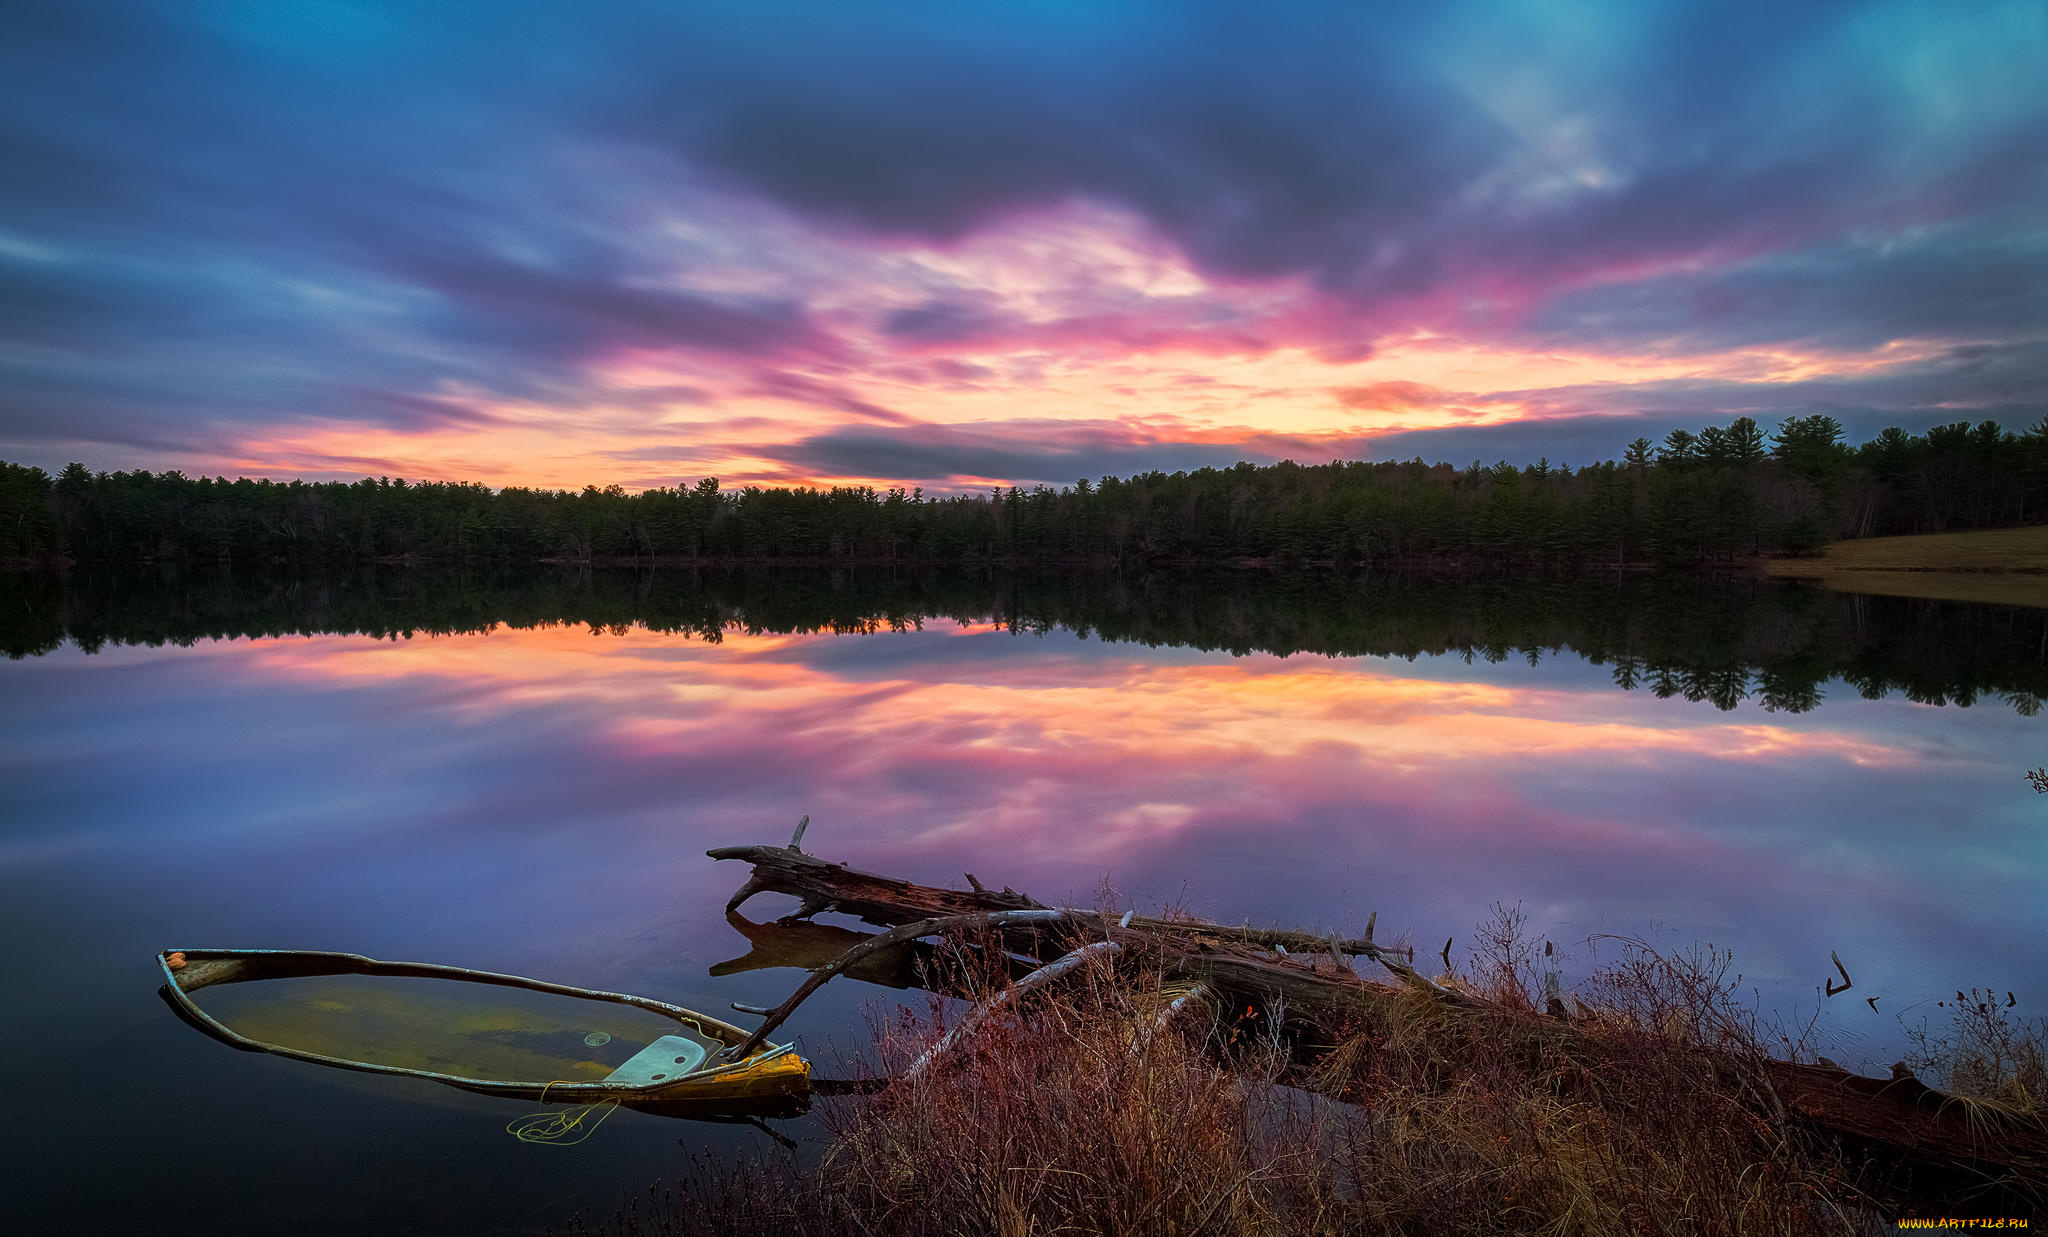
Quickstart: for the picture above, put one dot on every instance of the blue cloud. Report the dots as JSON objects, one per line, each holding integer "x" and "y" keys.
{"x": 1023, "y": 452}
{"x": 230, "y": 214}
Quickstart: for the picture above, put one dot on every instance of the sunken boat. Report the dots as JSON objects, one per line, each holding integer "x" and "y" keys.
{"x": 480, "y": 1031}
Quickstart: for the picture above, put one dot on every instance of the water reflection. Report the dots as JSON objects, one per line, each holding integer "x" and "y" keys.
{"x": 1721, "y": 640}
{"x": 807, "y": 945}
{"x": 537, "y": 800}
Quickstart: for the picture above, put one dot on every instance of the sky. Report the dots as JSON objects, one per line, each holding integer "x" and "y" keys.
{"x": 954, "y": 245}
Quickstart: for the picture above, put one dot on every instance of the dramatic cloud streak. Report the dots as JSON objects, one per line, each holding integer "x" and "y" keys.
{"x": 933, "y": 245}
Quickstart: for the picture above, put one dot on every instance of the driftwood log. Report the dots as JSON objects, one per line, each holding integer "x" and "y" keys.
{"x": 1941, "y": 1150}
{"x": 888, "y": 902}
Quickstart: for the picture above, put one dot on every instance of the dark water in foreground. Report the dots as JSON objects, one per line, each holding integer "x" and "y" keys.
{"x": 298, "y": 763}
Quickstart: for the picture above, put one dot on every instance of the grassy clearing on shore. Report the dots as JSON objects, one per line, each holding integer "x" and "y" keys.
{"x": 2001, "y": 566}
{"x": 1080, "y": 1118}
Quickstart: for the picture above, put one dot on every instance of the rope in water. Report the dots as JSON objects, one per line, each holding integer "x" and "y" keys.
{"x": 560, "y": 1127}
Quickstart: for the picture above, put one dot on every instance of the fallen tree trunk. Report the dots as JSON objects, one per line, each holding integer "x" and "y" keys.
{"x": 1941, "y": 1148}
{"x": 881, "y": 900}
{"x": 888, "y": 902}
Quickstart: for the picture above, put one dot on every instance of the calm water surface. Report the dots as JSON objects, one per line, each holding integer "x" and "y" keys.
{"x": 537, "y": 798}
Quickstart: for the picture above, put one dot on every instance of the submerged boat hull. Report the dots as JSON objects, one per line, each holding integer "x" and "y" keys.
{"x": 774, "y": 1077}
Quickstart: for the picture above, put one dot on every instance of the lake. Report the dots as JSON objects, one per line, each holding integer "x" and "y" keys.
{"x": 521, "y": 772}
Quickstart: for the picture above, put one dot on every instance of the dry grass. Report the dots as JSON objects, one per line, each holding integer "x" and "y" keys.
{"x": 1074, "y": 1118}
{"x": 1986, "y": 1053}
{"x": 1070, "y": 1121}
{"x": 2004, "y": 566}
{"x": 1996, "y": 549}
{"x": 1503, "y": 1125}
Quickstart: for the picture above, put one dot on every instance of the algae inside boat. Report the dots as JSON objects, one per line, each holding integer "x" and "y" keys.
{"x": 478, "y": 1030}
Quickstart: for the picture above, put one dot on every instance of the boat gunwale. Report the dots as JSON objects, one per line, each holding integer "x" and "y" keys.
{"x": 326, "y": 962}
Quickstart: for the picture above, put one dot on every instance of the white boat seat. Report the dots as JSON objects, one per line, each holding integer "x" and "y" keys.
{"x": 664, "y": 1060}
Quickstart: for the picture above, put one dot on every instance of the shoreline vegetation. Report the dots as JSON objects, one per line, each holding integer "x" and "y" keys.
{"x": 1724, "y": 496}
{"x": 1165, "y": 1076}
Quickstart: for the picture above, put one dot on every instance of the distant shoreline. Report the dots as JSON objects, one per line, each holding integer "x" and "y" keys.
{"x": 2002, "y": 566}
{"x": 2006, "y": 566}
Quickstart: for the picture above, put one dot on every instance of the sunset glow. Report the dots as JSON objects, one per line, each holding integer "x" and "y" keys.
{"x": 1174, "y": 744}
{"x": 1425, "y": 786}
{"x": 1548, "y": 489}
{"x": 922, "y": 248}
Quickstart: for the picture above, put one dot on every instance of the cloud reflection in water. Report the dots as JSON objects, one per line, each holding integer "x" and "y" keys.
{"x": 538, "y": 800}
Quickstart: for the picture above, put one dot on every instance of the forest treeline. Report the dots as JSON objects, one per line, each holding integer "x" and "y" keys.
{"x": 1712, "y": 638}
{"x": 1697, "y": 498}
